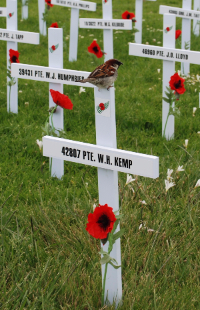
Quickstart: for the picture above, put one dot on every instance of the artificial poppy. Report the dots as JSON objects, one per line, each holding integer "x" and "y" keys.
{"x": 48, "y": 2}
{"x": 53, "y": 47}
{"x": 102, "y": 106}
{"x": 14, "y": 56}
{"x": 168, "y": 29}
{"x": 61, "y": 99}
{"x": 101, "y": 222}
{"x": 94, "y": 48}
{"x": 178, "y": 33}
{"x": 128, "y": 15}
{"x": 54, "y": 25}
{"x": 10, "y": 14}
{"x": 176, "y": 83}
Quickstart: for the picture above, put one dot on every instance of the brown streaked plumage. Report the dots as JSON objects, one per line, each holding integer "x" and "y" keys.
{"x": 104, "y": 75}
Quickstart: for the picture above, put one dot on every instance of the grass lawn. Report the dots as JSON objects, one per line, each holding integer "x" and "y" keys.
{"x": 47, "y": 258}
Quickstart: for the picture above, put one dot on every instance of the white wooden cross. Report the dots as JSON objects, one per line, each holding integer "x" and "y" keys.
{"x": 75, "y": 5}
{"x": 12, "y": 36}
{"x": 24, "y": 9}
{"x": 187, "y": 15}
{"x": 56, "y": 76}
{"x": 109, "y": 161}
{"x": 107, "y": 24}
{"x": 169, "y": 55}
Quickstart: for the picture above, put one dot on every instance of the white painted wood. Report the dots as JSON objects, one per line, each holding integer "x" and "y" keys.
{"x": 179, "y": 12}
{"x": 18, "y": 36}
{"x": 3, "y": 12}
{"x": 82, "y": 5}
{"x": 164, "y": 53}
{"x": 138, "y": 23}
{"x": 73, "y": 43}
{"x": 102, "y": 156}
{"x": 42, "y": 23}
{"x": 196, "y": 23}
{"x": 48, "y": 74}
{"x": 55, "y": 37}
{"x": 94, "y": 23}
{"x": 107, "y": 33}
{"x": 186, "y": 36}
{"x": 12, "y": 93}
{"x": 168, "y": 71}
{"x": 24, "y": 10}
{"x": 74, "y": 22}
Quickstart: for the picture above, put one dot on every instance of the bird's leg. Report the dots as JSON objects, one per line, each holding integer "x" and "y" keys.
{"x": 109, "y": 87}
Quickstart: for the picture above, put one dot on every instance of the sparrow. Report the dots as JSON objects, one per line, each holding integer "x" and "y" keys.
{"x": 104, "y": 75}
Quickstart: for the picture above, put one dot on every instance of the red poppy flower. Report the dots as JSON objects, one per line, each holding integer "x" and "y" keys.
{"x": 53, "y": 47}
{"x": 10, "y": 14}
{"x": 176, "y": 83}
{"x": 94, "y": 48}
{"x": 61, "y": 100}
{"x": 102, "y": 106}
{"x": 48, "y": 2}
{"x": 178, "y": 33}
{"x": 54, "y": 25}
{"x": 168, "y": 29}
{"x": 101, "y": 222}
{"x": 128, "y": 15}
{"x": 14, "y": 56}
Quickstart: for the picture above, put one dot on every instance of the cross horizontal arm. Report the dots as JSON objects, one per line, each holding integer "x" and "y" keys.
{"x": 179, "y": 12}
{"x": 3, "y": 12}
{"x": 48, "y": 74}
{"x": 19, "y": 36}
{"x": 93, "y": 23}
{"x": 75, "y": 4}
{"x": 164, "y": 53}
{"x": 101, "y": 157}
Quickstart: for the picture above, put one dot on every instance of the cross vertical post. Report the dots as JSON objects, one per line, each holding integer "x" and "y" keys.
{"x": 42, "y": 23}
{"x": 168, "y": 71}
{"x": 138, "y": 23}
{"x": 108, "y": 179}
{"x": 107, "y": 33}
{"x": 55, "y": 39}
{"x": 108, "y": 188}
{"x": 24, "y": 9}
{"x": 196, "y": 22}
{"x": 12, "y": 92}
{"x": 186, "y": 36}
{"x": 73, "y": 43}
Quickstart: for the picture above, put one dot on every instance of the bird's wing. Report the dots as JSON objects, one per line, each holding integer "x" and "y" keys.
{"x": 102, "y": 71}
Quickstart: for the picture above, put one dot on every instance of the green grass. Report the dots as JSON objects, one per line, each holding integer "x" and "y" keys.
{"x": 47, "y": 259}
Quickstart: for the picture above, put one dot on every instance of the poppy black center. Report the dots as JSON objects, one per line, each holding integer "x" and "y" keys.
{"x": 103, "y": 221}
{"x": 95, "y": 49}
{"x": 14, "y": 59}
{"x": 128, "y": 16}
{"x": 178, "y": 84}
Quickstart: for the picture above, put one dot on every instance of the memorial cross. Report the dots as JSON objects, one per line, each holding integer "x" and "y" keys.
{"x": 107, "y": 24}
{"x": 24, "y": 9}
{"x": 109, "y": 161}
{"x": 56, "y": 76}
{"x": 169, "y": 55}
{"x": 187, "y": 15}
{"x": 75, "y": 6}
{"x": 104, "y": 155}
{"x": 12, "y": 36}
